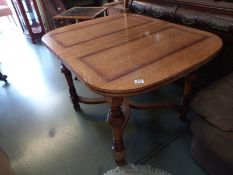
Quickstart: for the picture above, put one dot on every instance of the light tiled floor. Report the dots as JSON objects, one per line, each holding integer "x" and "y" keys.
{"x": 42, "y": 134}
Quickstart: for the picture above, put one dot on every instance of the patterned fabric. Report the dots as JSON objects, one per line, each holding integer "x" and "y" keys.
{"x": 136, "y": 170}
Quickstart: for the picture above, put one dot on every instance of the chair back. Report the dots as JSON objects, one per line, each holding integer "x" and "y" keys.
{"x": 4, "y": 8}
{"x": 3, "y": 2}
{"x": 55, "y": 7}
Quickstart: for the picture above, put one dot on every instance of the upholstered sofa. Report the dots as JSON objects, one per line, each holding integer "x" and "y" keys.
{"x": 212, "y": 144}
{"x": 212, "y": 128}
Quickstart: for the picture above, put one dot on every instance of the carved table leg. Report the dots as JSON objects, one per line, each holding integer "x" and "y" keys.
{"x": 73, "y": 94}
{"x": 116, "y": 121}
{"x": 186, "y": 95}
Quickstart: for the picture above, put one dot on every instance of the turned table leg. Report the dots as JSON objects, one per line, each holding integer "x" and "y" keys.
{"x": 116, "y": 121}
{"x": 73, "y": 94}
{"x": 186, "y": 95}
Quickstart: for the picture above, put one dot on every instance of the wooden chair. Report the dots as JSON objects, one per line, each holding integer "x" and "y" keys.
{"x": 52, "y": 8}
{"x": 117, "y": 7}
{"x": 115, "y": 3}
{"x": 114, "y": 7}
{"x": 5, "y": 10}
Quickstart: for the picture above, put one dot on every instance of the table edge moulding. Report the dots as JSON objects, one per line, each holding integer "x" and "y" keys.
{"x": 101, "y": 87}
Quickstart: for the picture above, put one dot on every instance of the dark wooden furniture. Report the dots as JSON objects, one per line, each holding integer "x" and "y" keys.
{"x": 80, "y": 13}
{"x": 137, "y": 54}
{"x": 215, "y": 16}
{"x": 212, "y": 14}
{"x": 29, "y": 18}
{"x": 3, "y": 77}
{"x": 116, "y": 7}
{"x": 72, "y": 3}
{"x": 52, "y": 8}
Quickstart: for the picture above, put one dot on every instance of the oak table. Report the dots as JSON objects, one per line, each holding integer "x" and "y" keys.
{"x": 126, "y": 55}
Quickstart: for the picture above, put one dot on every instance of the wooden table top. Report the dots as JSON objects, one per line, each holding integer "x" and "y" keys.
{"x": 128, "y": 54}
{"x": 82, "y": 13}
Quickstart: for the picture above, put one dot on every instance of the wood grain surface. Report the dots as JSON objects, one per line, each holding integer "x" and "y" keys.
{"x": 128, "y": 54}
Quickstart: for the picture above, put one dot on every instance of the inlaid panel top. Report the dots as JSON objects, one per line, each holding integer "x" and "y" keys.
{"x": 127, "y": 54}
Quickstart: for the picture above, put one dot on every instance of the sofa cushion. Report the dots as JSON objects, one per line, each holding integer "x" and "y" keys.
{"x": 212, "y": 148}
{"x": 215, "y": 103}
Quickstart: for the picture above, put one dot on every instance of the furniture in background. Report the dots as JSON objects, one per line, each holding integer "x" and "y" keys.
{"x": 5, "y": 167}
{"x": 116, "y": 7}
{"x": 78, "y": 14}
{"x": 29, "y": 17}
{"x": 83, "y": 3}
{"x": 212, "y": 144}
{"x": 137, "y": 54}
{"x": 52, "y": 8}
{"x": 5, "y": 10}
{"x": 3, "y": 77}
{"x": 210, "y": 15}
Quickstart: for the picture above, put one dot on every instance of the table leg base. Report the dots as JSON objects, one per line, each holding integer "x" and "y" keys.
{"x": 119, "y": 158}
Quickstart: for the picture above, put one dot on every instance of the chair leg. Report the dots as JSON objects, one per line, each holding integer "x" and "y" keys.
{"x": 9, "y": 19}
{"x": 3, "y": 77}
{"x": 14, "y": 20}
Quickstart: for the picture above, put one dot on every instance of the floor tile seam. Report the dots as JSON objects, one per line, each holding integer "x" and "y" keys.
{"x": 162, "y": 146}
